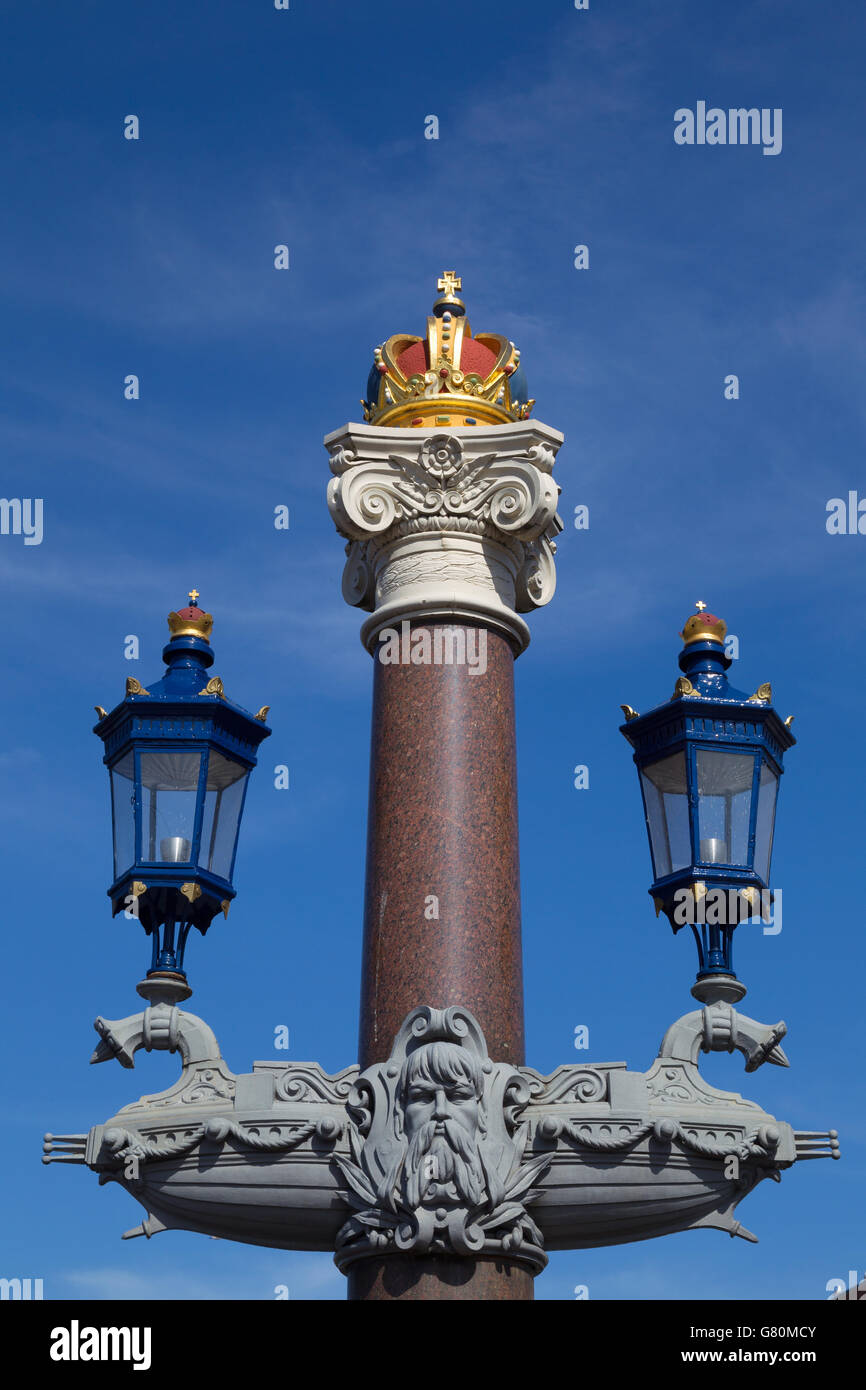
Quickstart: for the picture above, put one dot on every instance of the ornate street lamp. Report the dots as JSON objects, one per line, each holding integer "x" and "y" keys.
{"x": 709, "y": 761}
{"x": 440, "y": 1166}
{"x": 179, "y": 755}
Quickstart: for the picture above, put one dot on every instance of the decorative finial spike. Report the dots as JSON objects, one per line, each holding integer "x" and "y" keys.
{"x": 194, "y": 597}
{"x": 449, "y": 283}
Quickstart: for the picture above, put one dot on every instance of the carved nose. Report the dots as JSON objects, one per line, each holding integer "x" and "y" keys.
{"x": 440, "y": 1109}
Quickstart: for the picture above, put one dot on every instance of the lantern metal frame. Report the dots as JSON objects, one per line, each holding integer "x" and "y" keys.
{"x": 705, "y": 713}
{"x": 185, "y": 712}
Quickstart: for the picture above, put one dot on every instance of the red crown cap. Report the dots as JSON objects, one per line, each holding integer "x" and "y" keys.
{"x": 703, "y": 627}
{"x": 448, "y": 377}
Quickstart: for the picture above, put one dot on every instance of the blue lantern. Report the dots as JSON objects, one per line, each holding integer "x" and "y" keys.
{"x": 179, "y": 755}
{"x": 709, "y": 762}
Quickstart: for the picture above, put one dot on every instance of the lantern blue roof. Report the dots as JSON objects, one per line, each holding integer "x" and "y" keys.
{"x": 202, "y": 709}
{"x": 704, "y": 694}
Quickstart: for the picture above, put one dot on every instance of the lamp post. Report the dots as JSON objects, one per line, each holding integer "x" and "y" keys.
{"x": 440, "y": 1167}
{"x": 710, "y": 761}
{"x": 179, "y": 754}
{"x": 447, "y": 500}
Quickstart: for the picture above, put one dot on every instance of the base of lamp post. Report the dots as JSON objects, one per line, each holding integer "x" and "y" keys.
{"x": 293, "y": 1158}
{"x": 433, "y": 1277}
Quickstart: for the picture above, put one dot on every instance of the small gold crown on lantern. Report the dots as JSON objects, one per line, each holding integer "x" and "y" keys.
{"x": 191, "y": 621}
{"x": 703, "y": 627}
{"x": 449, "y": 377}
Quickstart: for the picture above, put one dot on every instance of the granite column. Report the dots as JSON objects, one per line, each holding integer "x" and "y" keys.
{"x": 450, "y": 539}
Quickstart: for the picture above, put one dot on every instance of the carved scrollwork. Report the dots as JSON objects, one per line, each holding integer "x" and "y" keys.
{"x": 360, "y": 1105}
{"x": 511, "y": 496}
{"x": 568, "y": 1083}
{"x": 536, "y": 579}
{"x": 447, "y": 488}
{"x": 304, "y": 1081}
{"x": 542, "y": 456}
{"x": 510, "y": 504}
{"x": 516, "y": 1097}
{"x": 364, "y": 501}
{"x": 206, "y": 1086}
{"x": 673, "y": 1087}
{"x": 357, "y": 576}
{"x": 341, "y": 458}
{"x": 589, "y": 1085}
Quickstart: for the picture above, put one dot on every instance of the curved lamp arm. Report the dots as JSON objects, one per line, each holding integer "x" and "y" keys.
{"x": 161, "y": 1028}
{"x": 719, "y": 1028}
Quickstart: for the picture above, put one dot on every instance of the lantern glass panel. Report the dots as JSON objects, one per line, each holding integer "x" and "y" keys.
{"x": 724, "y": 804}
{"x": 767, "y": 792}
{"x": 224, "y": 797}
{"x": 169, "y": 788}
{"x": 123, "y": 812}
{"x": 667, "y": 805}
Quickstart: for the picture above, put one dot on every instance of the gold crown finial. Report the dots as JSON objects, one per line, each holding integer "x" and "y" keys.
{"x": 191, "y": 622}
{"x": 448, "y": 377}
{"x": 703, "y": 626}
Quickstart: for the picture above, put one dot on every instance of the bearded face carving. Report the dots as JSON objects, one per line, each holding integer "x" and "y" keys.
{"x": 438, "y": 1154}
{"x": 441, "y": 1089}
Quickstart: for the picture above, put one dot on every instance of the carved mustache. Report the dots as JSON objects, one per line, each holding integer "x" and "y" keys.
{"x": 445, "y": 1134}
{"x": 457, "y": 1159}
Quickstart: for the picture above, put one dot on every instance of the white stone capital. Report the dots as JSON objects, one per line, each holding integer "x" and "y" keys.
{"x": 456, "y": 524}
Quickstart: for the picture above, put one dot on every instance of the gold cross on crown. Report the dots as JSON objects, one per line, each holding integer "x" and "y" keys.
{"x": 700, "y": 606}
{"x": 449, "y": 283}
{"x": 194, "y": 594}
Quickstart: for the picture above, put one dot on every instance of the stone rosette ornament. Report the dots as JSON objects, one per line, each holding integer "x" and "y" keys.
{"x": 438, "y": 1159}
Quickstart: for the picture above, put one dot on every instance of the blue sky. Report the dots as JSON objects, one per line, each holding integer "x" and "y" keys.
{"x": 155, "y": 257}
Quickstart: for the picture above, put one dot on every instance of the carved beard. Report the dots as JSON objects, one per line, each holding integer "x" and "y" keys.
{"x": 457, "y": 1161}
